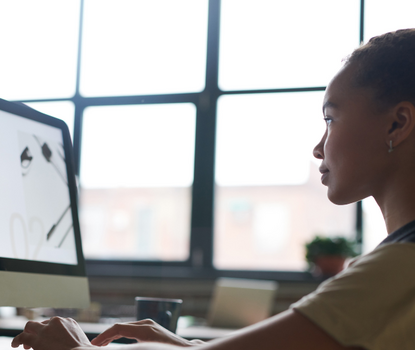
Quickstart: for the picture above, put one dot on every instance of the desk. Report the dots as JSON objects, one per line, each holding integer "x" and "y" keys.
{"x": 12, "y": 326}
{"x": 5, "y": 343}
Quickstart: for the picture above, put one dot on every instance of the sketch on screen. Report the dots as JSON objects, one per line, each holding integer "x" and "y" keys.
{"x": 48, "y": 220}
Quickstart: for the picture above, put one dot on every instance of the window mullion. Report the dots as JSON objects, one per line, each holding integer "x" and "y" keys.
{"x": 201, "y": 244}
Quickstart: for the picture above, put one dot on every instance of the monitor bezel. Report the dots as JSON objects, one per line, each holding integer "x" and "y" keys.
{"x": 32, "y": 266}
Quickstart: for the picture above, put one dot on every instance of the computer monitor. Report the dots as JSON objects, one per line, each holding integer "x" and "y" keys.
{"x": 41, "y": 260}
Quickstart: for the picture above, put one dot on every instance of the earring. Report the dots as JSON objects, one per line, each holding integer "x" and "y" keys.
{"x": 390, "y": 146}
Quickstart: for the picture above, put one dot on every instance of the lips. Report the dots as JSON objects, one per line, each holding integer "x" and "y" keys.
{"x": 324, "y": 173}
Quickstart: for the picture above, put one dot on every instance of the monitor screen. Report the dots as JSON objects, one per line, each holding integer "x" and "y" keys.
{"x": 40, "y": 242}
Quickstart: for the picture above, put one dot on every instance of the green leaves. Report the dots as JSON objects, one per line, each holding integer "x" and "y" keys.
{"x": 323, "y": 246}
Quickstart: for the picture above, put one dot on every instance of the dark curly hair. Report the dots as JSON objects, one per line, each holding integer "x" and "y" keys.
{"x": 387, "y": 65}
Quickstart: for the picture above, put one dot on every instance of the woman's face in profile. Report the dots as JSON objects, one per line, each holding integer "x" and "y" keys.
{"x": 354, "y": 148}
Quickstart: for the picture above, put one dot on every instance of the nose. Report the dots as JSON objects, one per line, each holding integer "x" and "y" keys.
{"x": 318, "y": 151}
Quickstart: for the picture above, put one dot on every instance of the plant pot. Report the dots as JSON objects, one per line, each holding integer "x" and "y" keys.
{"x": 329, "y": 265}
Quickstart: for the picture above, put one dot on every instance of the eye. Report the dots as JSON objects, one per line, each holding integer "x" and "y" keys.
{"x": 328, "y": 120}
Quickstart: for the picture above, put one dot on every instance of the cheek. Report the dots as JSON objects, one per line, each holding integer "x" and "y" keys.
{"x": 335, "y": 147}
{"x": 345, "y": 159}
{"x": 353, "y": 158}
{"x": 349, "y": 145}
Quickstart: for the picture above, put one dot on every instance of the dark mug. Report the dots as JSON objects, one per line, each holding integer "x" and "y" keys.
{"x": 165, "y": 312}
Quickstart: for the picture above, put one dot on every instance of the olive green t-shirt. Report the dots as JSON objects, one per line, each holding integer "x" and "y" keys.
{"x": 371, "y": 303}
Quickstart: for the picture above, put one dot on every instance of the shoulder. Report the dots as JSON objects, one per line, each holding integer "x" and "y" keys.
{"x": 356, "y": 305}
{"x": 385, "y": 256}
{"x": 386, "y": 267}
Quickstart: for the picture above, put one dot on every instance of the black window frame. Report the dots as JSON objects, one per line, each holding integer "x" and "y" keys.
{"x": 200, "y": 261}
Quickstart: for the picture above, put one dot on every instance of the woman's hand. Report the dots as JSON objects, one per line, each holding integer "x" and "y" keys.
{"x": 54, "y": 334}
{"x": 143, "y": 331}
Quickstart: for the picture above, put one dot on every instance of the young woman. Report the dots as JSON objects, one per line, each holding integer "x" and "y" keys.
{"x": 368, "y": 149}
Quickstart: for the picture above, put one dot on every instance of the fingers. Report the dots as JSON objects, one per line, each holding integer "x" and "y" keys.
{"x": 55, "y": 333}
{"x": 25, "y": 339}
{"x": 143, "y": 331}
{"x": 130, "y": 330}
{"x": 103, "y": 338}
{"x": 28, "y": 336}
{"x": 115, "y": 332}
{"x": 34, "y": 327}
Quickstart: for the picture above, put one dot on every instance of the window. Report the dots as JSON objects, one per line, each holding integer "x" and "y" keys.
{"x": 193, "y": 123}
{"x": 136, "y": 177}
{"x": 143, "y": 47}
{"x": 284, "y": 44}
{"x": 39, "y": 49}
{"x": 269, "y": 200}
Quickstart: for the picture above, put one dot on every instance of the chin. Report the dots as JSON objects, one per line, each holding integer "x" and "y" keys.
{"x": 341, "y": 198}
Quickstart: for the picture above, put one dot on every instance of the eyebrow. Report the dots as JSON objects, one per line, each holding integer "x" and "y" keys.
{"x": 329, "y": 104}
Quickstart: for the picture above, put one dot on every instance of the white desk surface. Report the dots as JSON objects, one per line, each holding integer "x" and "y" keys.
{"x": 5, "y": 343}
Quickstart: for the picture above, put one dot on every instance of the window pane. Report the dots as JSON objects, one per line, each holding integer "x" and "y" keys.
{"x": 64, "y": 110}
{"x": 374, "y": 228}
{"x": 39, "y": 46}
{"x": 150, "y": 47}
{"x": 136, "y": 178}
{"x": 383, "y": 16}
{"x": 280, "y": 44}
{"x": 269, "y": 199}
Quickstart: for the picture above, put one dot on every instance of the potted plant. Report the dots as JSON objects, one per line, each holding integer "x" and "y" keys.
{"x": 327, "y": 255}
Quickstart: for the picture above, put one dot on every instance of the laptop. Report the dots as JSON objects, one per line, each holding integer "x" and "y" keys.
{"x": 238, "y": 303}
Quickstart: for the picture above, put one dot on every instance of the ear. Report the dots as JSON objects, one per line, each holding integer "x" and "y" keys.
{"x": 401, "y": 124}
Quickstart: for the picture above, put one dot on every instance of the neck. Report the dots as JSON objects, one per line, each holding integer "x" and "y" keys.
{"x": 398, "y": 204}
